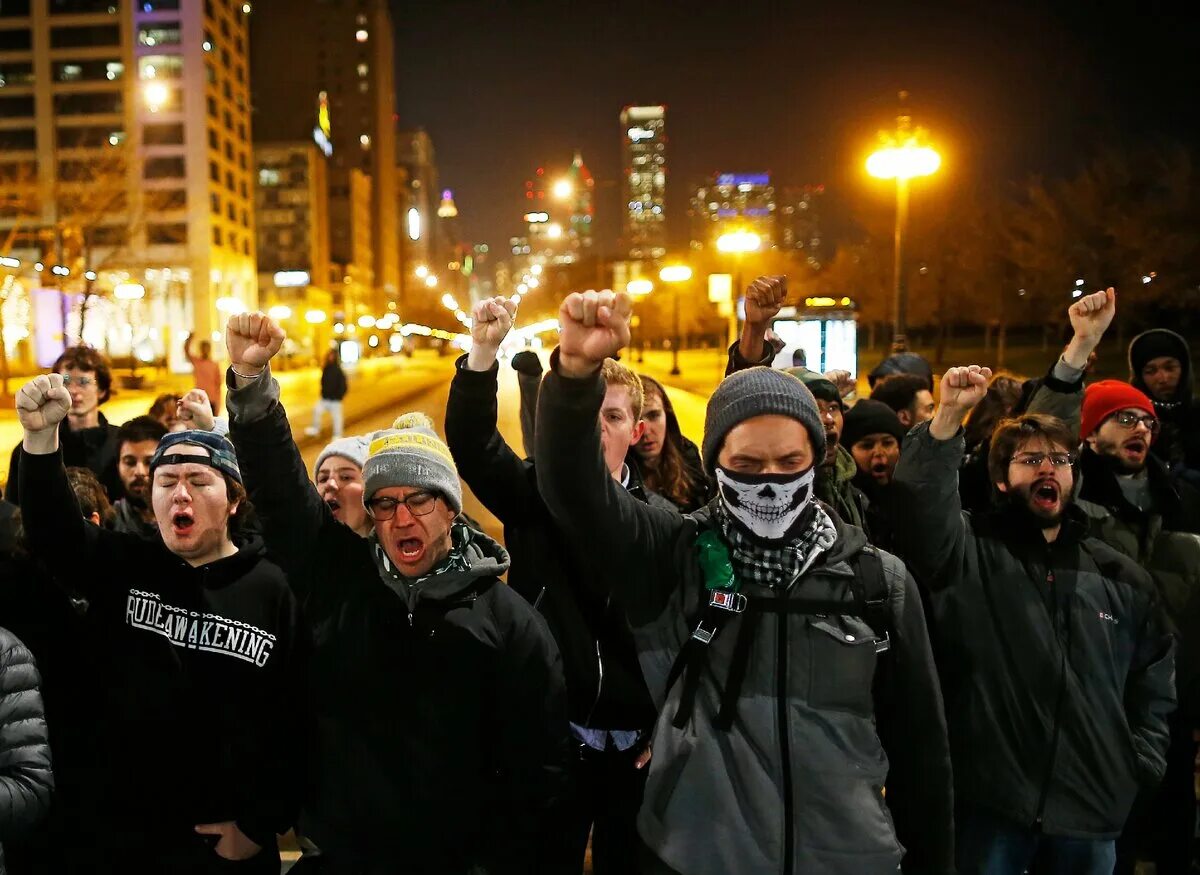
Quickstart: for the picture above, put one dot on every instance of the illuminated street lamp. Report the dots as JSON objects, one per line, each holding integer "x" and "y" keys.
{"x": 280, "y": 312}
{"x": 902, "y": 157}
{"x": 639, "y": 287}
{"x": 431, "y": 281}
{"x": 554, "y": 231}
{"x": 674, "y": 275}
{"x": 448, "y": 301}
{"x": 737, "y": 244}
{"x": 422, "y": 271}
{"x": 562, "y": 189}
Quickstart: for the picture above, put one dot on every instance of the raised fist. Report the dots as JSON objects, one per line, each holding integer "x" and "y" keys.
{"x": 43, "y": 403}
{"x": 764, "y": 297}
{"x": 491, "y": 320}
{"x": 963, "y": 388}
{"x": 195, "y": 410}
{"x": 1092, "y": 314}
{"x": 843, "y": 381}
{"x": 252, "y": 339}
{"x": 593, "y": 326}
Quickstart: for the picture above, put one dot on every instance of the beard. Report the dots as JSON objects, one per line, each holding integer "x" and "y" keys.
{"x": 137, "y": 491}
{"x": 1110, "y": 455}
{"x": 1022, "y": 500}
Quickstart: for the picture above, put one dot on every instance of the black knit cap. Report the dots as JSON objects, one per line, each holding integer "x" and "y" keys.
{"x": 870, "y": 417}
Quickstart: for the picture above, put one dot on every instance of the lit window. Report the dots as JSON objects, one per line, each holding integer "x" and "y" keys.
{"x": 206, "y": 45}
{"x": 365, "y": 141}
{"x": 113, "y": 70}
{"x": 246, "y": 8}
{"x": 361, "y": 35}
{"x": 362, "y": 19}
{"x": 268, "y": 176}
{"x": 362, "y": 70}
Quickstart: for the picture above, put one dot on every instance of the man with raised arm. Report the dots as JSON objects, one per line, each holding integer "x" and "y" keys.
{"x": 441, "y": 728}
{"x": 1056, "y": 661}
{"x": 788, "y": 659}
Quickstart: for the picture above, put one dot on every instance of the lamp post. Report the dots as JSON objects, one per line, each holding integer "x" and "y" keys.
{"x": 738, "y": 243}
{"x": 675, "y": 275}
{"x": 639, "y": 288}
{"x": 902, "y": 157}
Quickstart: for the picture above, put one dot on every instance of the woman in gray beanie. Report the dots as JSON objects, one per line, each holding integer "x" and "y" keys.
{"x": 339, "y": 478}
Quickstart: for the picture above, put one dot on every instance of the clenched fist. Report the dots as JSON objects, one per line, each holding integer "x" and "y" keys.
{"x": 593, "y": 326}
{"x": 491, "y": 320}
{"x": 252, "y": 339}
{"x": 1091, "y": 315}
{"x": 195, "y": 410}
{"x": 43, "y": 403}
{"x": 963, "y": 388}
{"x": 764, "y": 298}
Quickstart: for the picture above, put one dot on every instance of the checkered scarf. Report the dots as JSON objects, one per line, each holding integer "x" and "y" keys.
{"x": 776, "y": 566}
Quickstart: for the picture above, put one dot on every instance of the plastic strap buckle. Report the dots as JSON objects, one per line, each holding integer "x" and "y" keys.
{"x": 728, "y": 601}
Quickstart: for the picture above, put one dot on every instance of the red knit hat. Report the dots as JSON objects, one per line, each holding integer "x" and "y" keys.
{"x": 1101, "y": 400}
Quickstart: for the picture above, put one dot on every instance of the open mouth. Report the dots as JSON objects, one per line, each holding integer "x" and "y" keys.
{"x": 1045, "y": 495}
{"x": 334, "y": 505}
{"x": 1136, "y": 446}
{"x": 411, "y": 550}
{"x": 182, "y": 523}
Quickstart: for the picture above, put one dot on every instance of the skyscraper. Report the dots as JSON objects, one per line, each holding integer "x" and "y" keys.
{"x": 799, "y": 222}
{"x": 733, "y": 202}
{"x": 125, "y": 152}
{"x": 644, "y": 141}
{"x": 348, "y": 58}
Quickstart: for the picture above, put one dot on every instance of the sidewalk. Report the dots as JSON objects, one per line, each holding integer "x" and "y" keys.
{"x": 375, "y": 384}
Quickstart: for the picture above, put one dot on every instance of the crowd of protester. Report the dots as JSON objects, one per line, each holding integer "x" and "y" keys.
{"x": 946, "y": 628}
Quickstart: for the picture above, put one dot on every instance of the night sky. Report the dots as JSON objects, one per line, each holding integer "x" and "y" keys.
{"x": 799, "y": 89}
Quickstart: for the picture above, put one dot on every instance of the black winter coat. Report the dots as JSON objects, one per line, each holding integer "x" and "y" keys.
{"x": 605, "y": 688}
{"x": 202, "y": 664}
{"x": 93, "y": 448}
{"x": 25, "y": 777}
{"x": 441, "y": 730}
{"x": 1179, "y": 443}
{"x": 1056, "y": 660}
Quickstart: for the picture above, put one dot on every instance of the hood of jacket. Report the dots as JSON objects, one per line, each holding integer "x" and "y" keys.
{"x": 1152, "y": 344}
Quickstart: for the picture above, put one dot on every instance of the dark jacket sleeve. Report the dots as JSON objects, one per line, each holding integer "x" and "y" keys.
{"x": 933, "y": 531}
{"x": 597, "y": 516}
{"x": 1150, "y": 688}
{"x": 1060, "y": 395}
{"x": 500, "y": 479}
{"x": 912, "y": 727}
{"x": 738, "y": 363}
{"x": 56, "y": 531}
{"x": 297, "y": 525}
{"x": 26, "y": 781}
{"x": 12, "y": 489}
{"x": 532, "y": 744}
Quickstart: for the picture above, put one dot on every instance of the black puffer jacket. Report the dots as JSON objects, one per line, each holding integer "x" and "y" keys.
{"x": 441, "y": 724}
{"x": 1056, "y": 661}
{"x": 333, "y": 382}
{"x": 25, "y": 778}
{"x": 1179, "y": 443}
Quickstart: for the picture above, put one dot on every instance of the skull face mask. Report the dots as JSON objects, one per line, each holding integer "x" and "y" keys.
{"x": 767, "y": 505}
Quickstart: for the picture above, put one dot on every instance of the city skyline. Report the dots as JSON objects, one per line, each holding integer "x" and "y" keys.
{"x": 1005, "y": 91}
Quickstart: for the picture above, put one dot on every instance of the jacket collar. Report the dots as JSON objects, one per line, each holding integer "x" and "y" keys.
{"x": 1099, "y": 485}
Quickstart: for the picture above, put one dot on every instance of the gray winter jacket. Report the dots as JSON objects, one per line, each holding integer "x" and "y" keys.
{"x": 25, "y": 778}
{"x": 823, "y": 721}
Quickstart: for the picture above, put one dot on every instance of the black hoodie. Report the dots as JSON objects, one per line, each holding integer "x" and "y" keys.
{"x": 200, "y": 680}
{"x": 1179, "y": 443}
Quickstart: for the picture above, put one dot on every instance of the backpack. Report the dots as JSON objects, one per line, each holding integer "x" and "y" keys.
{"x": 870, "y": 604}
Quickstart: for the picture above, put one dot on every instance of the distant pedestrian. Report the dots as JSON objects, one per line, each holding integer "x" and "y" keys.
{"x": 166, "y": 410}
{"x": 333, "y": 390}
{"x": 207, "y": 371}
{"x": 139, "y": 441}
{"x": 1160, "y": 364}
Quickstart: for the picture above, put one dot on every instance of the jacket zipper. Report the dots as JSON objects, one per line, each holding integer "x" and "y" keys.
{"x": 1058, "y": 704}
{"x": 599, "y": 673}
{"x": 784, "y": 745}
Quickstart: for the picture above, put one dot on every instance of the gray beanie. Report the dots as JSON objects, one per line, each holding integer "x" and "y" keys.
{"x": 759, "y": 392}
{"x": 411, "y": 454}
{"x": 353, "y": 448}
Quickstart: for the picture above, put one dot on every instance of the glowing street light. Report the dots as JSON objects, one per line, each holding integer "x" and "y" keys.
{"x": 431, "y": 281}
{"x": 562, "y": 189}
{"x": 314, "y": 317}
{"x": 366, "y": 321}
{"x": 448, "y": 301}
{"x": 422, "y": 271}
{"x": 280, "y": 312}
{"x": 554, "y": 231}
{"x": 639, "y": 287}
{"x": 674, "y": 275}
{"x": 737, "y": 244}
{"x": 534, "y": 282}
{"x": 902, "y": 157}
{"x": 535, "y": 269}
{"x": 129, "y": 291}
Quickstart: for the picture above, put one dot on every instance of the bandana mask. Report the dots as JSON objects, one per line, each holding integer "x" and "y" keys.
{"x": 767, "y": 505}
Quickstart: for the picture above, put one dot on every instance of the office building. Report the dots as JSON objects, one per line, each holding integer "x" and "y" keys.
{"x": 733, "y": 202}
{"x": 644, "y": 153}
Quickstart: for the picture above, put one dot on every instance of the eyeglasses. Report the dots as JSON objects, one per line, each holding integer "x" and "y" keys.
{"x": 1034, "y": 461}
{"x": 418, "y": 504}
{"x": 83, "y": 382}
{"x": 1129, "y": 419}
